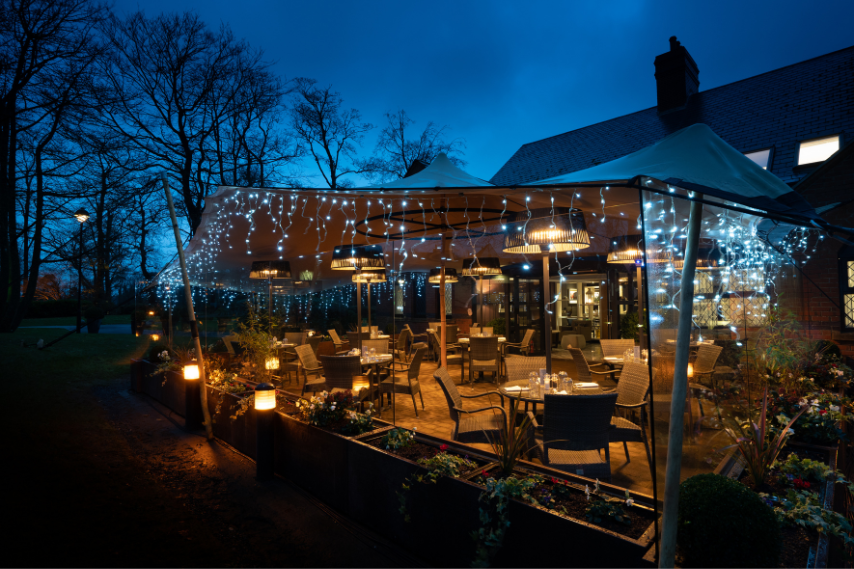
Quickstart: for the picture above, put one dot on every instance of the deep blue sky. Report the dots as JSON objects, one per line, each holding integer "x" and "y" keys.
{"x": 504, "y": 73}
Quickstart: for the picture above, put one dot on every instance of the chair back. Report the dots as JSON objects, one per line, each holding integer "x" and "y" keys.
{"x": 340, "y": 370}
{"x": 306, "y": 356}
{"x": 582, "y": 368}
{"x": 334, "y": 335}
{"x": 417, "y": 356}
{"x": 353, "y": 338}
{"x": 526, "y": 341}
{"x": 297, "y": 338}
{"x": 474, "y": 331}
{"x": 707, "y": 357}
{"x": 452, "y": 396}
{"x": 434, "y": 341}
{"x": 577, "y": 422}
{"x": 616, "y": 348}
{"x": 451, "y": 334}
{"x": 518, "y": 367}
{"x": 487, "y": 330}
{"x": 381, "y": 345}
{"x": 634, "y": 384}
{"x": 229, "y": 342}
{"x": 484, "y": 350}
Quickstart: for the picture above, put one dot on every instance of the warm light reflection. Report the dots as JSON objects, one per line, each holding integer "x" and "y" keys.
{"x": 360, "y": 382}
{"x": 272, "y": 363}
{"x": 690, "y": 370}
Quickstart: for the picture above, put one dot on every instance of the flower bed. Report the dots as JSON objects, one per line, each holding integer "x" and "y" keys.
{"x": 167, "y": 387}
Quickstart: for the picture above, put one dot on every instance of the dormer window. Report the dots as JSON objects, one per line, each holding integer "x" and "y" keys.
{"x": 817, "y": 150}
{"x": 761, "y": 157}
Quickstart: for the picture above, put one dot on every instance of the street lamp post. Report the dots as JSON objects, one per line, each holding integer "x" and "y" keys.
{"x": 82, "y": 216}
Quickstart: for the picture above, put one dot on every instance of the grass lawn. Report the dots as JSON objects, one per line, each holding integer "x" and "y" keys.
{"x": 76, "y": 493}
{"x": 72, "y": 320}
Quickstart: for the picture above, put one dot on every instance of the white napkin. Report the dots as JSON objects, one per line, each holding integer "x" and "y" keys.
{"x": 515, "y": 388}
{"x": 585, "y": 385}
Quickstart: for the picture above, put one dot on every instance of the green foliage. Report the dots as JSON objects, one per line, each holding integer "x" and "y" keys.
{"x": 803, "y": 508}
{"x": 758, "y": 444}
{"x": 805, "y": 468}
{"x": 327, "y": 408}
{"x": 723, "y": 523}
{"x": 397, "y": 439}
{"x": 439, "y": 465}
{"x": 359, "y": 422}
{"x": 498, "y": 326}
{"x": 52, "y": 308}
{"x": 820, "y": 422}
{"x": 629, "y": 326}
{"x": 93, "y": 312}
{"x": 602, "y": 509}
{"x": 254, "y": 337}
{"x": 493, "y": 512}
{"x": 511, "y": 442}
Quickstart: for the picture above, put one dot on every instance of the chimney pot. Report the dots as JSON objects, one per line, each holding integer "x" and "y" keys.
{"x": 676, "y": 77}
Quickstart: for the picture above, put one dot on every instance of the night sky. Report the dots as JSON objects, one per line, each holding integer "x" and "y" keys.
{"x": 501, "y": 74}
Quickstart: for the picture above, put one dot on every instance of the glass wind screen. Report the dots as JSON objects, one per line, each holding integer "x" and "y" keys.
{"x": 746, "y": 321}
{"x": 817, "y": 150}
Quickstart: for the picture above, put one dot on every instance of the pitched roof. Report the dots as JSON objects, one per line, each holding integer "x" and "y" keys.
{"x": 775, "y": 109}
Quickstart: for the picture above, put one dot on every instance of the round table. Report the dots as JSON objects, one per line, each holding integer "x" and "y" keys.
{"x": 379, "y": 360}
{"x": 526, "y": 397}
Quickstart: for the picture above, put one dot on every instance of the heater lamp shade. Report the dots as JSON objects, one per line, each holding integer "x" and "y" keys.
{"x": 546, "y": 230}
{"x": 270, "y": 269}
{"x": 481, "y": 267}
{"x": 626, "y": 250}
{"x": 435, "y": 276}
{"x": 303, "y": 284}
{"x": 265, "y": 397}
{"x": 365, "y": 258}
{"x": 371, "y": 277}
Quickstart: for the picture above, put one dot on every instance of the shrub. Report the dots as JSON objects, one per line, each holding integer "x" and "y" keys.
{"x": 497, "y": 326}
{"x": 52, "y": 308}
{"x": 93, "y": 312}
{"x": 724, "y": 524}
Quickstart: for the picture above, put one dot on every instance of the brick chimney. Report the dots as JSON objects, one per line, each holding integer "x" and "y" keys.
{"x": 676, "y": 77}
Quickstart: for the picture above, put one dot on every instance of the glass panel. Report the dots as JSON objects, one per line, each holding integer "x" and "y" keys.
{"x": 851, "y": 274}
{"x": 449, "y": 298}
{"x": 817, "y": 150}
{"x": 760, "y": 157}
{"x": 739, "y": 284}
{"x": 849, "y": 310}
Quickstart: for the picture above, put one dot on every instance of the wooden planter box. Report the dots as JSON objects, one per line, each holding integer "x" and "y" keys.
{"x": 819, "y": 554}
{"x": 171, "y": 393}
{"x": 315, "y": 459}
{"x": 239, "y": 433}
{"x": 445, "y": 514}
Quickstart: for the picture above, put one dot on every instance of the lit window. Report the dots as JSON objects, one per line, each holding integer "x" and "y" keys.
{"x": 846, "y": 282}
{"x": 761, "y": 157}
{"x": 817, "y": 150}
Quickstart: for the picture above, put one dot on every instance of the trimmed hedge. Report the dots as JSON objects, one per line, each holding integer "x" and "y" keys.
{"x": 722, "y": 523}
{"x": 52, "y": 308}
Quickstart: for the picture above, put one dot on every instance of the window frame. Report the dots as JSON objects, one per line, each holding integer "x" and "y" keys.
{"x": 845, "y": 256}
{"x": 771, "y": 152}
{"x": 839, "y": 143}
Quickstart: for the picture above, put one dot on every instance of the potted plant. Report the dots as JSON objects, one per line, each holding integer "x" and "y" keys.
{"x": 93, "y": 314}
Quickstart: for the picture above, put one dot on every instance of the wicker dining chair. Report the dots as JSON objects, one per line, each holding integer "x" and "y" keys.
{"x": 339, "y": 371}
{"x": 296, "y": 338}
{"x": 703, "y": 368}
{"x": 310, "y": 367}
{"x": 522, "y": 346}
{"x": 615, "y": 348}
{"x": 584, "y": 373}
{"x": 467, "y": 426}
{"x": 407, "y": 381}
{"x": 339, "y": 344}
{"x": 632, "y": 394}
{"x": 401, "y": 347}
{"x": 454, "y": 353}
{"x": 519, "y": 367}
{"x": 474, "y": 331}
{"x": 483, "y": 356}
{"x": 378, "y": 344}
{"x": 575, "y": 430}
{"x": 487, "y": 330}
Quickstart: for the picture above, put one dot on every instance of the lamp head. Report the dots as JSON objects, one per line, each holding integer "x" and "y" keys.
{"x": 81, "y": 215}
{"x": 265, "y": 396}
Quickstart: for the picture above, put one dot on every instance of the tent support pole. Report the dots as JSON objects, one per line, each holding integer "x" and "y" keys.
{"x": 444, "y": 332}
{"x": 547, "y": 321}
{"x": 680, "y": 390}
{"x": 358, "y": 311}
{"x": 188, "y": 292}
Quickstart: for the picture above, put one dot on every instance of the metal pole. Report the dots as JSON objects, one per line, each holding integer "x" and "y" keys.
{"x": 80, "y": 284}
{"x": 369, "y": 304}
{"x": 358, "y": 311}
{"x": 642, "y": 339}
{"x": 547, "y": 321}
{"x": 270, "y": 303}
{"x": 194, "y": 329}
{"x": 680, "y": 389}
{"x": 444, "y": 332}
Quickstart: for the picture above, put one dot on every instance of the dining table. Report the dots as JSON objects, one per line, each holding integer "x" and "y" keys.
{"x": 518, "y": 390}
{"x": 375, "y": 362}
{"x": 466, "y": 342}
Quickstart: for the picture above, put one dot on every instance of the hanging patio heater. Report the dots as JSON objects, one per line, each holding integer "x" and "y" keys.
{"x": 481, "y": 267}
{"x": 369, "y": 278}
{"x": 358, "y": 259}
{"x": 270, "y": 270}
{"x": 543, "y": 231}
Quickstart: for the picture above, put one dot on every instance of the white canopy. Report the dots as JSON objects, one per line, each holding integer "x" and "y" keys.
{"x": 441, "y": 173}
{"x": 695, "y": 158}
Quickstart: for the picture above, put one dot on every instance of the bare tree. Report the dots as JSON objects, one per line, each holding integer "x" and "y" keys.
{"x": 330, "y": 133}
{"x": 173, "y": 87}
{"x": 398, "y": 147}
{"x": 46, "y": 51}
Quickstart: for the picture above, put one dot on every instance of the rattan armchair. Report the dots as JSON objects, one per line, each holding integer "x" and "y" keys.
{"x": 401, "y": 346}
{"x": 584, "y": 373}
{"x": 575, "y": 431}
{"x": 408, "y": 380}
{"x": 520, "y": 367}
{"x": 454, "y": 353}
{"x": 339, "y": 344}
{"x": 615, "y": 348}
{"x": 703, "y": 368}
{"x": 631, "y": 395}
{"x": 521, "y": 346}
{"x": 467, "y": 426}
{"x": 380, "y": 345}
{"x": 484, "y": 356}
{"x": 310, "y": 367}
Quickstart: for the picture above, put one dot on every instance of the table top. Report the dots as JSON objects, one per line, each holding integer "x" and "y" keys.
{"x": 380, "y": 358}
{"x": 519, "y": 390}
{"x": 284, "y": 345}
{"x": 467, "y": 340}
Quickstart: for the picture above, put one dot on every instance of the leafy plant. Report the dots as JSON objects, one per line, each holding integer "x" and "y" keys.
{"x": 254, "y": 336}
{"x": 629, "y": 326}
{"x": 722, "y": 523}
{"x": 819, "y": 424}
{"x": 439, "y": 465}
{"x": 805, "y": 468}
{"x": 511, "y": 443}
{"x": 602, "y": 509}
{"x": 493, "y": 513}
{"x": 757, "y": 444}
{"x": 359, "y": 422}
{"x": 93, "y": 312}
{"x": 803, "y": 508}
{"x": 327, "y": 408}
{"x": 498, "y": 326}
{"x": 397, "y": 439}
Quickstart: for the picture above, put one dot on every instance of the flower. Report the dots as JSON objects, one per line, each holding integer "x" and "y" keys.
{"x": 823, "y": 412}
{"x": 834, "y": 408}
{"x": 443, "y": 448}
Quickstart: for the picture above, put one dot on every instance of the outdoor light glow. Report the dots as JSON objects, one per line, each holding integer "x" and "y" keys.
{"x": 272, "y": 363}
{"x": 265, "y": 398}
{"x": 81, "y": 215}
{"x": 690, "y": 370}
{"x": 191, "y": 371}
{"x": 155, "y": 337}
